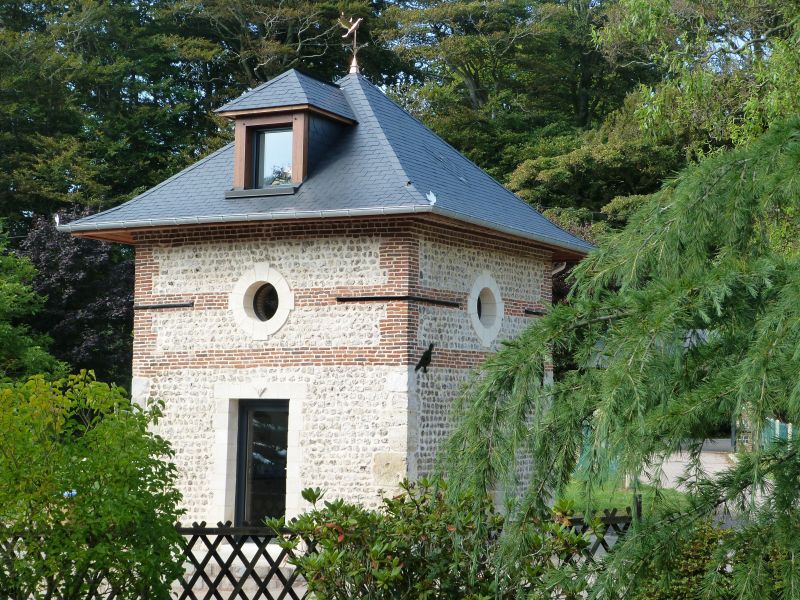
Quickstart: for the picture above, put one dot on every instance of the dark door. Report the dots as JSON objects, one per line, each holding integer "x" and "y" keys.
{"x": 261, "y": 460}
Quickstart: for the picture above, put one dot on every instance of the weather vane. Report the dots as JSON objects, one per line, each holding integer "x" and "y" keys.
{"x": 352, "y": 28}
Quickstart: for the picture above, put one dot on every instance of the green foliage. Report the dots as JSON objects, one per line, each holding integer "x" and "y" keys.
{"x": 681, "y": 576}
{"x": 732, "y": 65}
{"x": 612, "y": 495}
{"x": 87, "y": 490}
{"x": 591, "y": 169}
{"x": 420, "y": 545}
{"x": 507, "y": 81}
{"x": 21, "y": 351}
{"x": 688, "y": 313}
{"x": 578, "y": 221}
{"x": 93, "y": 103}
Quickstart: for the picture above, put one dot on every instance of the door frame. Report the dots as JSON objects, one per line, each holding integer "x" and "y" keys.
{"x": 223, "y": 471}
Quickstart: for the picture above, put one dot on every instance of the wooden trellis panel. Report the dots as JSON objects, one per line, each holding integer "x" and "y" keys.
{"x": 614, "y": 523}
{"x": 236, "y": 562}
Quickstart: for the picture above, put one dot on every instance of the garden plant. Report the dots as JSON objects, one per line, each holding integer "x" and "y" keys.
{"x": 87, "y": 493}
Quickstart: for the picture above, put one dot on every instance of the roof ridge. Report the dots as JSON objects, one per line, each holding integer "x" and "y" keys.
{"x": 157, "y": 187}
{"x": 398, "y": 166}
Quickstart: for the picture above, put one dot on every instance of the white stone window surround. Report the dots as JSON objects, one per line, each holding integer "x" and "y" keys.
{"x": 487, "y": 325}
{"x": 226, "y": 430}
{"x": 241, "y": 301}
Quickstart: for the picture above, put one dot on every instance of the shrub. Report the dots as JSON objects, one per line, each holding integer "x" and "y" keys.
{"x": 423, "y": 544}
{"x": 702, "y": 565}
{"x": 86, "y": 491}
{"x": 682, "y": 576}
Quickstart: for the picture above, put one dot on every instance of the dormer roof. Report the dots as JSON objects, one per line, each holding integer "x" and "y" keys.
{"x": 292, "y": 88}
{"x": 387, "y": 163}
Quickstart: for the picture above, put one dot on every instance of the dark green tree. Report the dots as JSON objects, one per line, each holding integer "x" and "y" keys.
{"x": 687, "y": 314}
{"x": 504, "y": 81}
{"x": 88, "y": 290}
{"x": 98, "y": 100}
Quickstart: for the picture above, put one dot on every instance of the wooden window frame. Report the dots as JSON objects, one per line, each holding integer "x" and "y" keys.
{"x": 246, "y": 128}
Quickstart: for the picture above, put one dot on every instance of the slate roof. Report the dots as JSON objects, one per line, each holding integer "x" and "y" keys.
{"x": 388, "y": 163}
{"x": 291, "y": 88}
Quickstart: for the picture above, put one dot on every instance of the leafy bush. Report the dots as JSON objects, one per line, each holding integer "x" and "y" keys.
{"x": 423, "y": 544}
{"x": 682, "y": 575}
{"x": 86, "y": 491}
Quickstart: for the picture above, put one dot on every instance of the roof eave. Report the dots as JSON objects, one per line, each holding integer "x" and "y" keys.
{"x": 113, "y": 228}
{"x": 551, "y": 242}
{"x": 96, "y": 230}
{"x": 233, "y": 114}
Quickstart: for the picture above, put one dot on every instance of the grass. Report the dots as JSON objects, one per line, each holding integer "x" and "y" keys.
{"x": 616, "y": 496}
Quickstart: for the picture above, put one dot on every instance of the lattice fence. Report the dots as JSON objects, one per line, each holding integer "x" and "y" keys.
{"x": 227, "y": 562}
{"x": 236, "y": 562}
{"x": 615, "y": 526}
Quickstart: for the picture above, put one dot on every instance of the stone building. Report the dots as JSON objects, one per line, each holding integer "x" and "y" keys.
{"x": 288, "y": 285}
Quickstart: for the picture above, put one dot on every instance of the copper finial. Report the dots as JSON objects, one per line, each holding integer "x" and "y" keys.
{"x": 352, "y": 28}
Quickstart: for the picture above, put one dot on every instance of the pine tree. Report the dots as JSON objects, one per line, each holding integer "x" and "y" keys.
{"x": 689, "y": 314}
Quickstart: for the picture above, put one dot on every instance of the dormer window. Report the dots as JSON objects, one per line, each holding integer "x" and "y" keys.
{"x": 271, "y": 154}
{"x": 272, "y": 157}
{"x": 272, "y": 128}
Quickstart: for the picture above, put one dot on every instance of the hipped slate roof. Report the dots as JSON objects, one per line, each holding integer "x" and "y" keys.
{"x": 290, "y": 89}
{"x": 388, "y": 163}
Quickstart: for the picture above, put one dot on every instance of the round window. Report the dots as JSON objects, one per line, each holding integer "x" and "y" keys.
{"x": 261, "y": 301}
{"x": 265, "y": 302}
{"x": 485, "y": 308}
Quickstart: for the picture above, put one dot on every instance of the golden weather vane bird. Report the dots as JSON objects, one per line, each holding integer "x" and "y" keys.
{"x": 351, "y": 28}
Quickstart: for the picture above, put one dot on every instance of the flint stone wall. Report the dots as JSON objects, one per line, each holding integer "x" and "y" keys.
{"x": 360, "y": 418}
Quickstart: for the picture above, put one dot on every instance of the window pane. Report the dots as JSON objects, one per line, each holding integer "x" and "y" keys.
{"x": 273, "y": 157}
{"x": 262, "y": 453}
